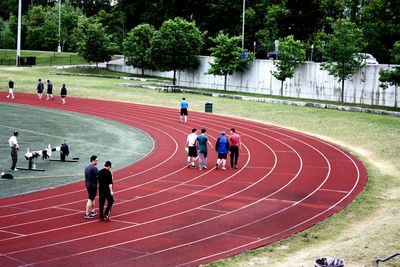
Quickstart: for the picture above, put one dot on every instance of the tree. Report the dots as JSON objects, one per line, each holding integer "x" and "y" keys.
{"x": 176, "y": 46}
{"x": 228, "y": 56}
{"x": 392, "y": 76}
{"x": 291, "y": 55}
{"x": 95, "y": 45}
{"x": 341, "y": 49}
{"x": 136, "y": 45}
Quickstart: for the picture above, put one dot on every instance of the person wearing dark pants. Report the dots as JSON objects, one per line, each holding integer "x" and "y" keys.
{"x": 234, "y": 141}
{"x": 105, "y": 191}
{"x": 14, "y": 150}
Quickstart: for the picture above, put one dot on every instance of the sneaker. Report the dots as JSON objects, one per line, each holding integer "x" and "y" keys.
{"x": 93, "y": 213}
{"x": 223, "y": 168}
{"x": 205, "y": 167}
{"x": 235, "y": 167}
{"x": 106, "y": 218}
{"x": 8, "y": 96}
{"x": 216, "y": 166}
{"x": 88, "y": 216}
{"x": 14, "y": 170}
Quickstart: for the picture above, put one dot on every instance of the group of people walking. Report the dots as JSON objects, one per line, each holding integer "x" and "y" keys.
{"x": 196, "y": 146}
{"x": 103, "y": 180}
{"x": 40, "y": 90}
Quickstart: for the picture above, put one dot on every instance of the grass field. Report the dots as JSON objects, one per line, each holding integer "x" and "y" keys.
{"x": 367, "y": 229}
{"x": 85, "y": 136}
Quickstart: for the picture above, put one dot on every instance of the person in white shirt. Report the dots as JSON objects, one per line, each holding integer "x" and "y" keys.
{"x": 191, "y": 145}
{"x": 14, "y": 150}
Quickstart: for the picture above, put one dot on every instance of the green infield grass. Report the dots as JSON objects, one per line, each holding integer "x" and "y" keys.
{"x": 368, "y": 228}
{"x": 84, "y": 135}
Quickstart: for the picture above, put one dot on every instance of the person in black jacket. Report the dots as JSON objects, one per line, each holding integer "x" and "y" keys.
{"x": 63, "y": 94}
{"x": 105, "y": 191}
{"x": 49, "y": 90}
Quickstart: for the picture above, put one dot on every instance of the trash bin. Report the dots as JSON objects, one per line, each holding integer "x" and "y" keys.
{"x": 208, "y": 107}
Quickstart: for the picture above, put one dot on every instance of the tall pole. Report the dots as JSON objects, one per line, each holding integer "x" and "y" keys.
{"x": 243, "y": 15}
{"x": 19, "y": 33}
{"x": 59, "y": 26}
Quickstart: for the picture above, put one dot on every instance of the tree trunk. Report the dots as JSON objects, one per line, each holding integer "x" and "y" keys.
{"x": 395, "y": 96}
{"x": 226, "y": 77}
{"x": 342, "y": 93}
{"x": 142, "y": 71}
{"x": 174, "y": 79}
{"x": 281, "y": 88}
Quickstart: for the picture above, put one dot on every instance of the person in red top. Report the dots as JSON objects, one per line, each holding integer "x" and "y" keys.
{"x": 235, "y": 145}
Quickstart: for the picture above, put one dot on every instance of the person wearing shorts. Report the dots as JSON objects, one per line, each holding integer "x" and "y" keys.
{"x": 191, "y": 145}
{"x": 63, "y": 94}
{"x": 91, "y": 172}
{"x": 10, "y": 89}
{"x": 49, "y": 90}
{"x": 222, "y": 148}
{"x": 184, "y": 111}
{"x": 40, "y": 88}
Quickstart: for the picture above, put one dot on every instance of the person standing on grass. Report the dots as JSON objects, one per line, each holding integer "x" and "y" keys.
{"x": 49, "y": 90}
{"x": 13, "y": 143}
{"x": 202, "y": 141}
{"x": 191, "y": 142}
{"x": 183, "y": 111}
{"x": 105, "y": 191}
{"x": 40, "y": 88}
{"x": 91, "y": 172}
{"x": 222, "y": 147}
{"x": 63, "y": 94}
{"x": 234, "y": 147}
{"x": 10, "y": 89}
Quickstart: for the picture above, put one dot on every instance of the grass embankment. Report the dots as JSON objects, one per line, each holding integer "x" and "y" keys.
{"x": 367, "y": 229}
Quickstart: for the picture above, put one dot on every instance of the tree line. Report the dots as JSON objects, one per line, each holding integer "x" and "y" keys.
{"x": 265, "y": 21}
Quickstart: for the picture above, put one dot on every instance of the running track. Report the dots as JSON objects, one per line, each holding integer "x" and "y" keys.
{"x": 169, "y": 215}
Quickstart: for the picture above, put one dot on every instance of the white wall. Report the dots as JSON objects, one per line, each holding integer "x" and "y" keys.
{"x": 308, "y": 82}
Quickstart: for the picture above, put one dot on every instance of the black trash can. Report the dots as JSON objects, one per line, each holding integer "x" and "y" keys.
{"x": 208, "y": 107}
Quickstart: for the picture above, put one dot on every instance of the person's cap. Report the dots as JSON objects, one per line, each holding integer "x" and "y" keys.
{"x": 16, "y": 133}
{"x": 222, "y": 132}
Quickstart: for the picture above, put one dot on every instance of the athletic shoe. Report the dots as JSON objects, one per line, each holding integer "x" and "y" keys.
{"x": 14, "y": 170}
{"x": 88, "y": 216}
{"x": 8, "y": 96}
{"x": 223, "y": 168}
{"x": 216, "y": 166}
{"x": 205, "y": 167}
{"x": 106, "y": 218}
{"x": 235, "y": 167}
{"x": 93, "y": 213}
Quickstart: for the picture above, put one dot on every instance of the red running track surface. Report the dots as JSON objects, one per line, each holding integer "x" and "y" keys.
{"x": 169, "y": 215}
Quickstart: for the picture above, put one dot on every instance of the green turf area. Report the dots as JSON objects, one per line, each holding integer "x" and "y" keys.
{"x": 85, "y": 136}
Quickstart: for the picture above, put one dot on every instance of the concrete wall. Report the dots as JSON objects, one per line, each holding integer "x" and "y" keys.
{"x": 308, "y": 82}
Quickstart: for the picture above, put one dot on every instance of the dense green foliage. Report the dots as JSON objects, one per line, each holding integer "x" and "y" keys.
{"x": 265, "y": 21}
{"x": 228, "y": 56}
{"x": 340, "y": 52}
{"x": 291, "y": 55}
{"x": 176, "y": 46}
{"x": 392, "y": 76}
{"x": 136, "y": 44}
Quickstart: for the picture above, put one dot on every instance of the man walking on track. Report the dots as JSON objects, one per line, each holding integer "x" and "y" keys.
{"x": 202, "y": 141}
{"x": 234, "y": 147}
{"x": 91, "y": 187}
{"x": 222, "y": 147}
{"x": 183, "y": 111}
{"x": 191, "y": 142}
{"x": 105, "y": 191}
{"x": 40, "y": 88}
{"x": 10, "y": 89}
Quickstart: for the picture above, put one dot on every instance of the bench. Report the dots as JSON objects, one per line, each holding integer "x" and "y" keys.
{"x": 170, "y": 88}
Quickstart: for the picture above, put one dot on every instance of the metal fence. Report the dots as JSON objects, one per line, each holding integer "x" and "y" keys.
{"x": 45, "y": 61}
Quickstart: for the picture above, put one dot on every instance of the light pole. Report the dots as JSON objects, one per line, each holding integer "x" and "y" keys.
{"x": 19, "y": 33}
{"x": 243, "y": 17}
{"x": 59, "y": 26}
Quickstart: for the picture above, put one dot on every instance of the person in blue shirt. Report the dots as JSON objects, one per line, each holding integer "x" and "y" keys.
{"x": 222, "y": 148}
{"x": 202, "y": 141}
{"x": 183, "y": 111}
